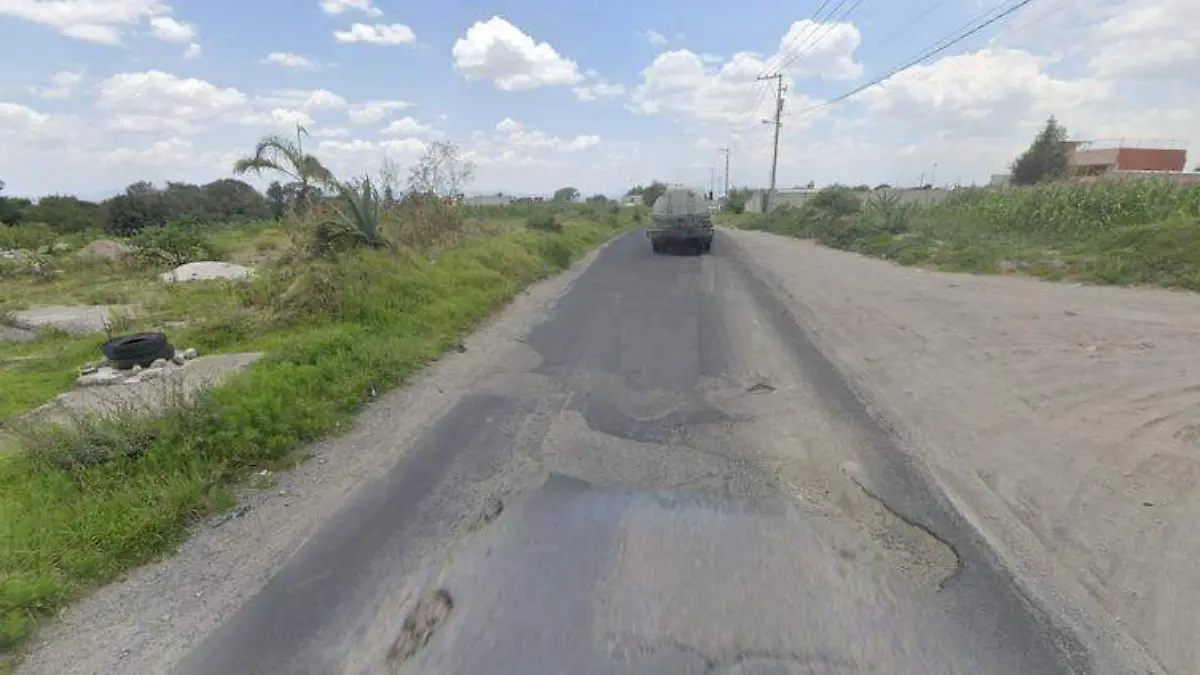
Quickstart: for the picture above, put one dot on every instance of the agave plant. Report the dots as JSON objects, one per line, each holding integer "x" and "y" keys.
{"x": 360, "y": 210}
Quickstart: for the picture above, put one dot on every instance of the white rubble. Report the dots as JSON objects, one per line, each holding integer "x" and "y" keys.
{"x": 207, "y": 270}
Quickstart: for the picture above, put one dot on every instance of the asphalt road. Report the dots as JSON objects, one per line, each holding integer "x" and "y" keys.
{"x": 684, "y": 484}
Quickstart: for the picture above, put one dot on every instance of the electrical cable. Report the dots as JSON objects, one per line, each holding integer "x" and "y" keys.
{"x": 939, "y": 48}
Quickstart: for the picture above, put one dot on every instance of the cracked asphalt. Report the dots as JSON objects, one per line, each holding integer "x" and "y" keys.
{"x": 687, "y": 485}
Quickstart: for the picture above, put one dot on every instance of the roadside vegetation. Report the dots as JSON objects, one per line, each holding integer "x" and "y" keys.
{"x": 1122, "y": 232}
{"x": 1143, "y": 232}
{"x": 359, "y": 283}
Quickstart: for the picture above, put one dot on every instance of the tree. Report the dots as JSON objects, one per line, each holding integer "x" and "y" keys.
{"x": 12, "y": 209}
{"x": 597, "y": 199}
{"x": 440, "y": 171}
{"x": 139, "y": 207}
{"x": 567, "y": 194}
{"x": 64, "y": 213}
{"x": 1046, "y": 158}
{"x": 185, "y": 201}
{"x": 735, "y": 201}
{"x": 228, "y": 199}
{"x": 276, "y": 199}
{"x": 651, "y": 192}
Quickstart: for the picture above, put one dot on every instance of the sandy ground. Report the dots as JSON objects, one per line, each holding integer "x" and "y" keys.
{"x": 1062, "y": 419}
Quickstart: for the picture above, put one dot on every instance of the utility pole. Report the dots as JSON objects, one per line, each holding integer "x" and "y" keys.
{"x": 725, "y": 151}
{"x": 778, "y": 77}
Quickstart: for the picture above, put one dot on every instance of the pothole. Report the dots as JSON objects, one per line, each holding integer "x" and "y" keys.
{"x": 491, "y": 510}
{"x": 419, "y": 627}
{"x": 760, "y": 388}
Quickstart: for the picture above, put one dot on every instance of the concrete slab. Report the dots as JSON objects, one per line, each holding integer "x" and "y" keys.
{"x": 208, "y": 270}
{"x": 149, "y": 395}
{"x": 83, "y": 320}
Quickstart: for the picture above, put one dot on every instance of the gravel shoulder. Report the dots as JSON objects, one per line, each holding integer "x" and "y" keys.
{"x": 148, "y": 621}
{"x": 1061, "y": 420}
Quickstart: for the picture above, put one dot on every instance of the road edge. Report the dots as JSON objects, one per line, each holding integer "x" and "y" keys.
{"x": 1008, "y": 546}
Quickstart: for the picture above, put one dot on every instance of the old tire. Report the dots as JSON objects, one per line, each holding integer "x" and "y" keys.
{"x": 140, "y": 349}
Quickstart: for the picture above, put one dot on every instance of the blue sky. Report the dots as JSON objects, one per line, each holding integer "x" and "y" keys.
{"x": 601, "y": 95}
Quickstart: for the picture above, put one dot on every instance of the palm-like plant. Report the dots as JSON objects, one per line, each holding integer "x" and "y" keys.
{"x": 276, "y": 153}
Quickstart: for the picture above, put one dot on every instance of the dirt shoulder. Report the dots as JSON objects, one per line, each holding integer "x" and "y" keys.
{"x": 147, "y": 622}
{"x": 1063, "y": 420}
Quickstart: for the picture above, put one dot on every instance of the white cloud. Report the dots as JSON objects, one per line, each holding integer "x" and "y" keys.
{"x": 1142, "y": 38}
{"x": 170, "y": 30}
{"x": 407, "y": 126}
{"x": 684, "y": 84}
{"x": 280, "y": 118}
{"x": 374, "y": 111}
{"x": 825, "y": 50}
{"x": 64, "y": 85}
{"x": 515, "y": 135}
{"x": 20, "y": 118}
{"x": 173, "y": 101}
{"x": 498, "y": 51}
{"x": 598, "y": 91}
{"x": 999, "y": 87}
{"x": 331, "y": 132}
{"x": 654, "y": 37}
{"x": 152, "y": 124}
{"x": 378, "y": 34}
{"x": 340, "y": 6}
{"x": 98, "y": 21}
{"x": 357, "y": 156}
{"x": 161, "y": 153}
{"x": 301, "y": 99}
{"x": 290, "y": 60}
{"x": 193, "y": 51}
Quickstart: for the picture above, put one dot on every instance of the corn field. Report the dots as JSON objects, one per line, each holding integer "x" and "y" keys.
{"x": 1071, "y": 211}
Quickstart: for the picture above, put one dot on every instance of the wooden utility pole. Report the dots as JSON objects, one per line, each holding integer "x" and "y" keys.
{"x": 778, "y": 77}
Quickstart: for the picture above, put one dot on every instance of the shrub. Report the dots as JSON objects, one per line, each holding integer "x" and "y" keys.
{"x": 180, "y": 242}
{"x": 29, "y": 236}
{"x": 424, "y": 220}
{"x": 544, "y": 221}
{"x": 838, "y": 200}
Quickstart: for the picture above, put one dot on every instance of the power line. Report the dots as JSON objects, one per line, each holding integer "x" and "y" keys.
{"x": 828, "y": 26}
{"x": 756, "y": 91}
{"x": 915, "y": 61}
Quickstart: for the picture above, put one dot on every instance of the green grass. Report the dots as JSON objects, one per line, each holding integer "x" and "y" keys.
{"x": 333, "y": 331}
{"x": 1144, "y": 232}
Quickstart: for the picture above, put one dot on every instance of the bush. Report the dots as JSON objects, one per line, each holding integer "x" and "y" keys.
{"x": 175, "y": 244}
{"x": 545, "y": 221}
{"x": 424, "y": 220}
{"x": 27, "y": 236}
{"x": 838, "y": 200}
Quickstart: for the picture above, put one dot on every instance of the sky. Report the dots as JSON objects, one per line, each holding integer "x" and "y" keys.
{"x": 97, "y": 94}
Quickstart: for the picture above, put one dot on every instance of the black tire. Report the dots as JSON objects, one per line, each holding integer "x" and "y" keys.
{"x": 140, "y": 349}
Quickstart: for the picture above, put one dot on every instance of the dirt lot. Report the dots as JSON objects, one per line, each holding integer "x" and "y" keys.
{"x": 1063, "y": 419}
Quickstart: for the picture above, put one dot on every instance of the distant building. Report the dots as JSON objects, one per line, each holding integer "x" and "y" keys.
{"x": 498, "y": 199}
{"x": 1092, "y": 159}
